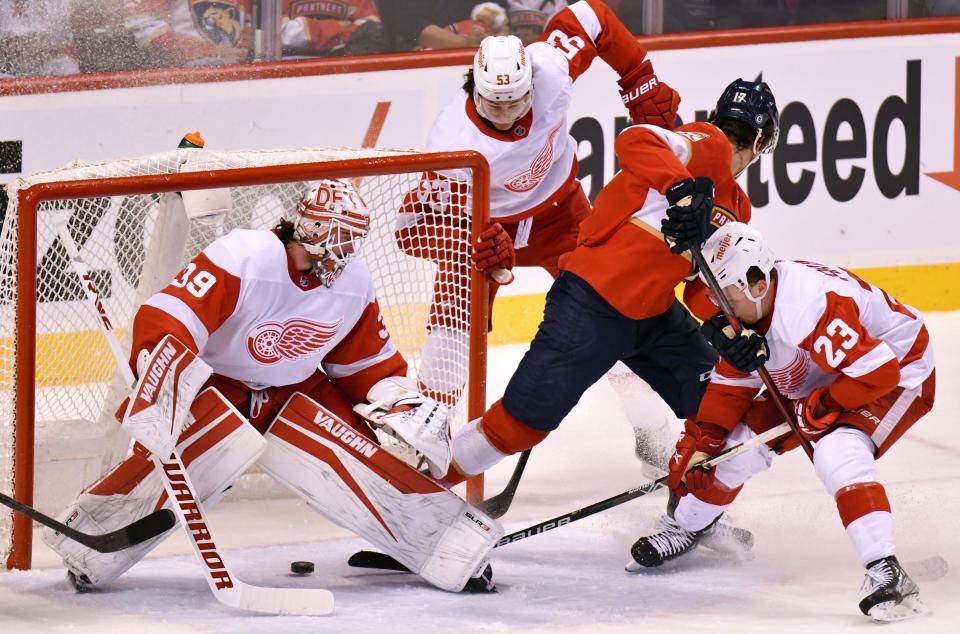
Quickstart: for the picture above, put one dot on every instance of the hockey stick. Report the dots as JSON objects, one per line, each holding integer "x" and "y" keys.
{"x": 497, "y": 506}
{"x": 226, "y": 588}
{"x": 727, "y": 309}
{"x": 369, "y": 559}
{"x": 145, "y": 528}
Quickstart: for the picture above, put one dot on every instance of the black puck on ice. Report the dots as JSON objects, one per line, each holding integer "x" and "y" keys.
{"x": 301, "y": 567}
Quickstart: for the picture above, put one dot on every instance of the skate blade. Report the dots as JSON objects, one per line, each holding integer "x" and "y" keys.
{"x": 889, "y": 612}
{"x": 633, "y": 567}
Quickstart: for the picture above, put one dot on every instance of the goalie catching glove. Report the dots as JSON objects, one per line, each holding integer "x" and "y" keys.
{"x": 647, "y": 98}
{"x": 746, "y": 351}
{"x": 398, "y": 407}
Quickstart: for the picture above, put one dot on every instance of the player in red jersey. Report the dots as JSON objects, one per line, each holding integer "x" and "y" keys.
{"x": 614, "y": 299}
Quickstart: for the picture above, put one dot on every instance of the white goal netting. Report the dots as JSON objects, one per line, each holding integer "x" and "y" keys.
{"x": 135, "y": 244}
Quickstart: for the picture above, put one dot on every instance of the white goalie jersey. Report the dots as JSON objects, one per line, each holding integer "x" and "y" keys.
{"x": 248, "y": 313}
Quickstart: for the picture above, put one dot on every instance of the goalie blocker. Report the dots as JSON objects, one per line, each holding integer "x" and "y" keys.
{"x": 363, "y": 488}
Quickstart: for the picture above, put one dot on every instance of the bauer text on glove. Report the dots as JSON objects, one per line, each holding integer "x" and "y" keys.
{"x": 648, "y": 100}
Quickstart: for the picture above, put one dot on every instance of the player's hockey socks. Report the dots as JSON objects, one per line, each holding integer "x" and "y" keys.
{"x": 363, "y": 488}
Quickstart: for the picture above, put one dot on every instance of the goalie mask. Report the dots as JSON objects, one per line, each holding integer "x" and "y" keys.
{"x": 331, "y": 222}
{"x": 502, "y": 79}
{"x": 731, "y": 252}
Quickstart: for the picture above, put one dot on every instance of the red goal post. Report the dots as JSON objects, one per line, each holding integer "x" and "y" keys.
{"x": 399, "y": 173}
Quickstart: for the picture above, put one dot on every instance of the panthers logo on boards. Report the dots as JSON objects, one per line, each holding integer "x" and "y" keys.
{"x": 220, "y": 21}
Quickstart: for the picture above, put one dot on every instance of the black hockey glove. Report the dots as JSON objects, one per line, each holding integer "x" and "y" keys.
{"x": 746, "y": 352}
{"x": 688, "y": 217}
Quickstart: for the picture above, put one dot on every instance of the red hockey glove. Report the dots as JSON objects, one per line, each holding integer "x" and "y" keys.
{"x": 647, "y": 98}
{"x": 494, "y": 249}
{"x": 698, "y": 442}
{"x": 814, "y": 414}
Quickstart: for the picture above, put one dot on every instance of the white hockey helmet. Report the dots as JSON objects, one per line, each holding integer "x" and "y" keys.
{"x": 503, "y": 79}
{"x": 734, "y": 249}
{"x": 331, "y": 221}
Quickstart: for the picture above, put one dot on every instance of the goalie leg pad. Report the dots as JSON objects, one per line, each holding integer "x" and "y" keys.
{"x": 216, "y": 450}
{"x": 363, "y": 488}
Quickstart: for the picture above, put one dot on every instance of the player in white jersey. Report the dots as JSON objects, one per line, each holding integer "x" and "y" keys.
{"x": 858, "y": 369}
{"x": 512, "y": 108}
{"x": 288, "y": 323}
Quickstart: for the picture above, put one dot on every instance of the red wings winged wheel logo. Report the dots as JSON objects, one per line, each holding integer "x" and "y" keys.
{"x": 294, "y": 338}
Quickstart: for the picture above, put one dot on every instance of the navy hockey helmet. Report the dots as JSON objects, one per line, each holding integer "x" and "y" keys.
{"x": 752, "y": 103}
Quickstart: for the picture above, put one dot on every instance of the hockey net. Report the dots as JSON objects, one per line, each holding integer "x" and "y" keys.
{"x": 58, "y": 382}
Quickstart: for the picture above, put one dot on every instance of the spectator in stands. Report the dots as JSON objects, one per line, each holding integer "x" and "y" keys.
{"x": 35, "y": 38}
{"x": 189, "y": 33}
{"x": 922, "y": 8}
{"x": 435, "y": 24}
{"x": 101, "y": 41}
{"x": 528, "y": 17}
{"x": 346, "y": 27}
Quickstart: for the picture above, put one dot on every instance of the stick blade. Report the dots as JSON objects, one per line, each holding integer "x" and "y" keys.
{"x": 497, "y": 506}
{"x": 293, "y": 601}
{"x": 376, "y": 561}
{"x": 929, "y": 569}
{"x": 150, "y": 526}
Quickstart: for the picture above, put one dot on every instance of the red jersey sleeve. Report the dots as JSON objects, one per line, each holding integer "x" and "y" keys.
{"x": 365, "y": 356}
{"x": 728, "y": 396}
{"x": 191, "y": 307}
{"x": 699, "y": 300}
{"x": 588, "y": 28}
{"x": 839, "y": 343}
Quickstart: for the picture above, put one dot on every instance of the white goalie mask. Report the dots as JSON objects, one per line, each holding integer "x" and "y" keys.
{"x": 330, "y": 222}
{"x": 733, "y": 250}
{"x": 502, "y": 79}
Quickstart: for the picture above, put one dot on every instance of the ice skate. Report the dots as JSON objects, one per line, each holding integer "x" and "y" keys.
{"x": 79, "y": 582}
{"x": 890, "y": 594}
{"x": 483, "y": 582}
{"x": 669, "y": 542}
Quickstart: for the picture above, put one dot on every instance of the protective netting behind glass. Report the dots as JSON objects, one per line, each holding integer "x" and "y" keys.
{"x": 417, "y": 251}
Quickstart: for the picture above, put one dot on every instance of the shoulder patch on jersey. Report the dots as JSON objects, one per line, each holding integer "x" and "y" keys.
{"x": 693, "y": 136}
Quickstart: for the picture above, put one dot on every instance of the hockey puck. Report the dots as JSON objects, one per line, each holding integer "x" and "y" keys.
{"x": 301, "y": 567}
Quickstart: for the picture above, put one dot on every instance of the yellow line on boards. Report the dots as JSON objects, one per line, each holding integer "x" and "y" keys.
{"x": 72, "y": 358}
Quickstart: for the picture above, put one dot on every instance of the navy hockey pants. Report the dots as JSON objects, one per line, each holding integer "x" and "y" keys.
{"x": 582, "y": 336}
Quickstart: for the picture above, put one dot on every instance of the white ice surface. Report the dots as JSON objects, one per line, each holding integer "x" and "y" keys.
{"x": 804, "y": 577}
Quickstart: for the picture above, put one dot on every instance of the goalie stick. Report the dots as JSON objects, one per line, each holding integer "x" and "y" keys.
{"x": 145, "y": 528}
{"x": 370, "y": 559}
{"x": 496, "y": 506}
{"x": 225, "y": 586}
